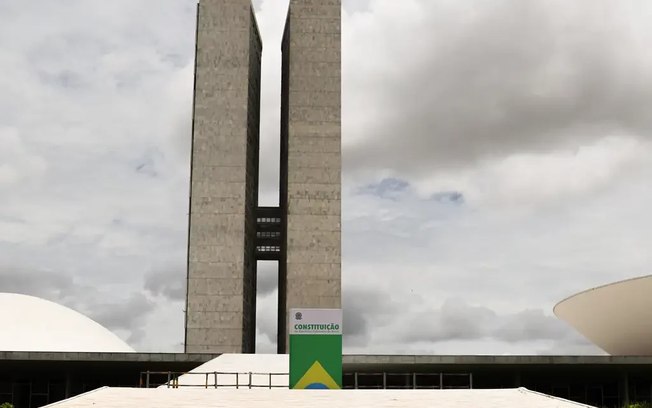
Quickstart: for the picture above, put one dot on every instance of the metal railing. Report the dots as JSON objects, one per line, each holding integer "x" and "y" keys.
{"x": 355, "y": 380}
{"x": 404, "y": 381}
{"x": 210, "y": 379}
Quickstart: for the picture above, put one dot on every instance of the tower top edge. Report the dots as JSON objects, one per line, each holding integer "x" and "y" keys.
{"x": 314, "y": 7}
{"x": 317, "y": 2}
{"x": 248, "y": 2}
{"x": 244, "y": 6}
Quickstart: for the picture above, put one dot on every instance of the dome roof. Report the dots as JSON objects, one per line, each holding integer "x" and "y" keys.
{"x": 28, "y": 323}
{"x": 616, "y": 317}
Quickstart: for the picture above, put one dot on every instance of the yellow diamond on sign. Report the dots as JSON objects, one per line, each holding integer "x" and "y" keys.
{"x": 316, "y": 378}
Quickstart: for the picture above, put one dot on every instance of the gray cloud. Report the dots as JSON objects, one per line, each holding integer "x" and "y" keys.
{"x": 456, "y": 320}
{"x": 452, "y": 197}
{"x": 267, "y": 277}
{"x": 531, "y": 324}
{"x": 170, "y": 283}
{"x": 127, "y": 315}
{"x": 267, "y": 328}
{"x": 354, "y": 320}
{"x": 48, "y": 285}
{"x": 389, "y": 188}
{"x": 472, "y": 81}
{"x": 362, "y": 308}
{"x": 266, "y": 321}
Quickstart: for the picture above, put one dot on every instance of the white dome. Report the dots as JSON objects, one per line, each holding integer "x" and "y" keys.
{"x": 29, "y": 323}
{"x": 616, "y": 317}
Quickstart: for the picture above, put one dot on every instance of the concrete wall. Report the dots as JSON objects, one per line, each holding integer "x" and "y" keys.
{"x": 224, "y": 180}
{"x": 311, "y": 159}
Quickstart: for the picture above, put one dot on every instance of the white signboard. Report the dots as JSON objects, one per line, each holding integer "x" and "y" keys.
{"x": 316, "y": 321}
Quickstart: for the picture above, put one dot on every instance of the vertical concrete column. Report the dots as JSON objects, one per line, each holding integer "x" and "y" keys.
{"x": 623, "y": 388}
{"x": 311, "y": 159}
{"x": 220, "y": 315}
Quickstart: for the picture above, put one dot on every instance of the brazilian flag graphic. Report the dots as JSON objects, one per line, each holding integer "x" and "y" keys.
{"x": 316, "y": 349}
{"x": 317, "y": 378}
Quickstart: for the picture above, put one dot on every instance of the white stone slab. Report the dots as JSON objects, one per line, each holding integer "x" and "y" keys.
{"x": 245, "y": 398}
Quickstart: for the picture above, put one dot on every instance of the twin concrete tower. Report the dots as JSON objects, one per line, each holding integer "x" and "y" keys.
{"x": 228, "y": 231}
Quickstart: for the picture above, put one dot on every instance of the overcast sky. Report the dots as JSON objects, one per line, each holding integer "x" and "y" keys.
{"x": 497, "y": 158}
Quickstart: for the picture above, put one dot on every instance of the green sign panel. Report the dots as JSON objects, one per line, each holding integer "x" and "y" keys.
{"x": 315, "y": 348}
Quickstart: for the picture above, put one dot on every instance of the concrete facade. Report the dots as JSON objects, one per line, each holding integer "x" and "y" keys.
{"x": 221, "y": 294}
{"x": 310, "y": 266}
{"x": 34, "y": 379}
{"x": 228, "y": 231}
